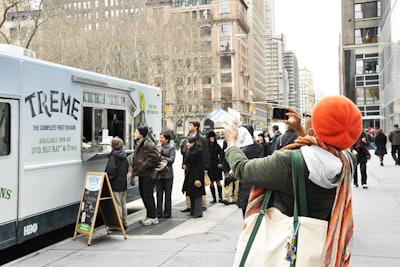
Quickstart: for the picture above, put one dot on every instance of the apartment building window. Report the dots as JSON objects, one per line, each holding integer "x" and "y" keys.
{"x": 225, "y": 46}
{"x": 225, "y": 30}
{"x": 205, "y": 14}
{"x": 206, "y": 79}
{"x": 226, "y": 77}
{"x": 225, "y": 62}
{"x": 204, "y": 2}
{"x": 205, "y": 31}
{"x": 224, "y": 6}
{"x": 367, "y": 10}
{"x": 367, "y": 66}
{"x": 367, "y": 96}
{"x": 366, "y": 35}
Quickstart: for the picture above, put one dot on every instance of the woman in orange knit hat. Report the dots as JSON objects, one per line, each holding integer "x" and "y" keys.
{"x": 333, "y": 127}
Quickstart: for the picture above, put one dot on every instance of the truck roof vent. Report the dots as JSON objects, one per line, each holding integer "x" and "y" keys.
{"x": 17, "y": 50}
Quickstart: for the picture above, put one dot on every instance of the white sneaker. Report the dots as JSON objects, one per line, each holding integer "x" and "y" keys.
{"x": 141, "y": 221}
{"x": 365, "y": 186}
{"x": 150, "y": 221}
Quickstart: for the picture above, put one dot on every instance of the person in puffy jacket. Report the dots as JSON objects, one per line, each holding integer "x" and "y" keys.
{"x": 117, "y": 170}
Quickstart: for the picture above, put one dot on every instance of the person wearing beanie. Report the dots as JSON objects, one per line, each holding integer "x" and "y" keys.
{"x": 329, "y": 131}
{"x": 117, "y": 170}
{"x": 146, "y": 158}
{"x": 143, "y": 130}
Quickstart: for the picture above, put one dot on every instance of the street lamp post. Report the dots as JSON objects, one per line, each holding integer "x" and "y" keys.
{"x": 245, "y": 35}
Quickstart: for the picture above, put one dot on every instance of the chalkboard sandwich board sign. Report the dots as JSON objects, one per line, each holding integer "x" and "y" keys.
{"x": 97, "y": 194}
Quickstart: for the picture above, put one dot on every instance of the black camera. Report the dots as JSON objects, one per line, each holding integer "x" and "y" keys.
{"x": 280, "y": 114}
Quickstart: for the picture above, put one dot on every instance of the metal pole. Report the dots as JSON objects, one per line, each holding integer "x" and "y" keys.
{"x": 283, "y": 73}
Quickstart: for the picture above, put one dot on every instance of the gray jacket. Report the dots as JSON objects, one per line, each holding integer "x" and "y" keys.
{"x": 167, "y": 153}
{"x": 394, "y": 136}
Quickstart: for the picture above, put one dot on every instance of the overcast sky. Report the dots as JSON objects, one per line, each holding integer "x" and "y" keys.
{"x": 312, "y": 29}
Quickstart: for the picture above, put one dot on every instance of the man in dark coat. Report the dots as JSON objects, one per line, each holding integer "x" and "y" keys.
{"x": 276, "y": 134}
{"x": 287, "y": 138}
{"x": 145, "y": 160}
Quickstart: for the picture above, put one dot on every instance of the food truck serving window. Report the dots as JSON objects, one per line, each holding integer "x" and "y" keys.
{"x": 5, "y": 129}
{"x": 104, "y": 117}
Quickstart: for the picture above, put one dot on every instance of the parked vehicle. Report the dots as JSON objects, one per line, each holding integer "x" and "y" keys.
{"x": 56, "y": 124}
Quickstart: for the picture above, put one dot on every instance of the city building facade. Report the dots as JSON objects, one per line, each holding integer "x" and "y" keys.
{"x": 292, "y": 69}
{"x": 224, "y": 83}
{"x": 389, "y": 51}
{"x": 306, "y": 89}
{"x": 360, "y": 58}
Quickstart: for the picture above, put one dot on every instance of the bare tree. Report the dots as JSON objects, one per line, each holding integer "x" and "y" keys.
{"x": 21, "y": 20}
{"x": 180, "y": 63}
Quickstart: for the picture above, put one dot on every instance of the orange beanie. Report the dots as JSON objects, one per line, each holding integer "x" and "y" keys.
{"x": 336, "y": 120}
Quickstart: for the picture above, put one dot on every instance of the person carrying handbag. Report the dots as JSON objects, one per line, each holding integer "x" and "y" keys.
{"x": 333, "y": 127}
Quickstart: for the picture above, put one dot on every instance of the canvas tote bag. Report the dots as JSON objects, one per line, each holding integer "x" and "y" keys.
{"x": 264, "y": 242}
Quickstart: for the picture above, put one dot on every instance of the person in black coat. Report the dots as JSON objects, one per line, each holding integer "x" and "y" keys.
{"x": 380, "y": 142}
{"x": 360, "y": 149}
{"x": 117, "y": 170}
{"x": 215, "y": 154}
{"x": 263, "y": 142}
{"x": 193, "y": 185}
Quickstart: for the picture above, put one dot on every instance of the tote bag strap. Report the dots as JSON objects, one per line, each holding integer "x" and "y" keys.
{"x": 256, "y": 226}
{"x": 298, "y": 180}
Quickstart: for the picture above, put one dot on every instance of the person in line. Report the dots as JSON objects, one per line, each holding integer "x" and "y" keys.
{"x": 380, "y": 142}
{"x": 145, "y": 160}
{"x": 360, "y": 149}
{"x": 193, "y": 185}
{"x": 194, "y": 130}
{"x": 231, "y": 185}
{"x": 287, "y": 138}
{"x": 215, "y": 166}
{"x": 336, "y": 123}
{"x": 165, "y": 177}
{"x": 276, "y": 133}
{"x": 267, "y": 136}
{"x": 117, "y": 171}
{"x": 394, "y": 138}
{"x": 252, "y": 151}
{"x": 264, "y": 144}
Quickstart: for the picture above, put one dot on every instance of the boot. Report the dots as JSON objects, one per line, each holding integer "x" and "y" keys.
{"x": 219, "y": 188}
{"x": 381, "y": 161}
{"x": 212, "y": 189}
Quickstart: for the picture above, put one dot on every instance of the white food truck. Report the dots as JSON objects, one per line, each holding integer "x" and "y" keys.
{"x": 56, "y": 124}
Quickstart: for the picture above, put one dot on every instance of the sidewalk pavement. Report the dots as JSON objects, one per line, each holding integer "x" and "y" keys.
{"x": 211, "y": 240}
